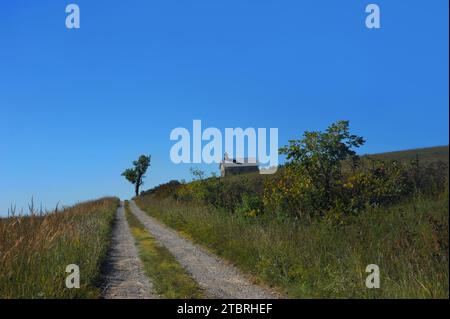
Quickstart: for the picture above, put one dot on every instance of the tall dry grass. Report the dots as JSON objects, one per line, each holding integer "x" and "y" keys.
{"x": 35, "y": 250}
{"x": 325, "y": 259}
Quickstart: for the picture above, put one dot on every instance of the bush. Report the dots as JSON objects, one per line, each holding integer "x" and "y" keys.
{"x": 409, "y": 241}
{"x": 164, "y": 190}
{"x": 372, "y": 183}
{"x": 292, "y": 192}
{"x": 252, "y": 206}
{"x": 383, "y": 184}
{"x": 226, "y": 193}
{"x": 324, "y": 177}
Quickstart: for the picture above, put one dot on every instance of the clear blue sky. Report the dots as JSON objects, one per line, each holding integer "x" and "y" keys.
{"x": 77, "y": 106}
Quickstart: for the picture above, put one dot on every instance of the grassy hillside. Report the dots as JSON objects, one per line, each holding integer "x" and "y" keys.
{"x": 389, "y": 214}
{"x": 425, "y": 155}
{"x": 409, "y": 242}
{"x": 35, "y": 250}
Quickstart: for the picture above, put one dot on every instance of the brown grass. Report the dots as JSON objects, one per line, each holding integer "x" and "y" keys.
{"x": 35, "y": 250}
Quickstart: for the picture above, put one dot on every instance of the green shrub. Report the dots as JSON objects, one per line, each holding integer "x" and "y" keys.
{"x": 164, "y": 190}
{"x": 292, "y": 192}
{"x": 371, "y": 183}
{"x": 252, "y": 206}
{"x": 324, "y": 178}
{"x": 321, "y": 259}
{"x": 383, "y": 184}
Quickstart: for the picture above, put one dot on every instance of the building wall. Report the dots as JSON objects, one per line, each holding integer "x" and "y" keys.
{"x": 236, "y": 170}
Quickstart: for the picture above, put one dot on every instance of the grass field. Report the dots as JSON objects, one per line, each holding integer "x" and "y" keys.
{"x": 169, "y": 278}
{"x": 324, "y": 257}
{"x": 35, "y": 250}
{"x": 321, "y": 258}
{"x": 409, "y": 242}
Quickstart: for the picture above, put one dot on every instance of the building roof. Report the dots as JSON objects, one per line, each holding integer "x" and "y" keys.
{"x": 240, "y": 162}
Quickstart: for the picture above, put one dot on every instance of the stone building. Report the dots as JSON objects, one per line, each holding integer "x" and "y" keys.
{"x": 230, "y": 166}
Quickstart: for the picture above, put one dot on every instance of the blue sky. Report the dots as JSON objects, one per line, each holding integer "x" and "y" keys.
{"x": 77, "y": 106}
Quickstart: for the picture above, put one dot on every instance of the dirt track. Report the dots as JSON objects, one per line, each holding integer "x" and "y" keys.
{"x": 123, "y": 273}
{"x": 218, "y": 279}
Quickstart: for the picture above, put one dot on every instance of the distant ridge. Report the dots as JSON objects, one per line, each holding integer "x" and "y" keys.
{"x": 426, "y": 154}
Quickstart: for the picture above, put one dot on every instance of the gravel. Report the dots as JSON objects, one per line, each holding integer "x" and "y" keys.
{"x": 217, "y": 278}
{"x": 123, "y": 273}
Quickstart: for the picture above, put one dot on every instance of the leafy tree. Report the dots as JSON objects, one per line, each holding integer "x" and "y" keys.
{"x": 197, "y": 173}
{"x": 136, "y": 174}
{"x": 320, "y": 155}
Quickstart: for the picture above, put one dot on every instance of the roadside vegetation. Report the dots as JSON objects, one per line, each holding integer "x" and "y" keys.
{"x": 35, "y": 250}
{"x": 169, "y": 278}
{"x": 314, "y": 226}
{"x": 322, "y": 259}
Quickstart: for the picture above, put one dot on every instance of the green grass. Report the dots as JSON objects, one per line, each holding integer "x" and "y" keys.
{"x": 35, "y": 250}
{"x": 326, "y": 259}
{"x": 169, "y": 278}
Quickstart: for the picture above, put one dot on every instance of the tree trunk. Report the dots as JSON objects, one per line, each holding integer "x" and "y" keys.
{"x": 136, "y": 189}
{"x": 138, "y": 184}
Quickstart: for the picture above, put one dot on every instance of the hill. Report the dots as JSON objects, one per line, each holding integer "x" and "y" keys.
{"x": 425, "y": 155}
{"x": 278, "y": 229}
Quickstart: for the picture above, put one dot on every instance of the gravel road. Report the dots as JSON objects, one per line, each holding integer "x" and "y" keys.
{"x": 123, "y": 273}
{"x": 217, "y": 279}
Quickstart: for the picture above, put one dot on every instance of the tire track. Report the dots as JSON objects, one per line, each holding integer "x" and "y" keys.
{"x": 218, "y": 279}
{"x": 123, "y": 273}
